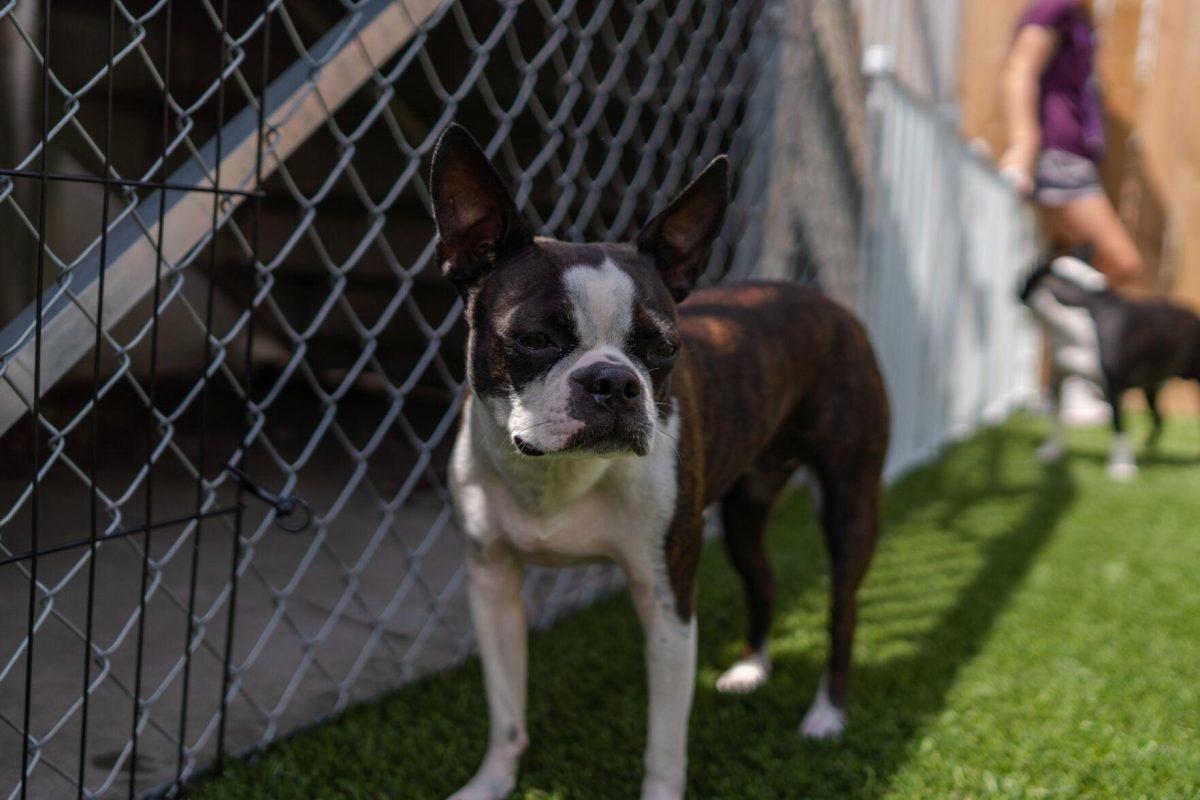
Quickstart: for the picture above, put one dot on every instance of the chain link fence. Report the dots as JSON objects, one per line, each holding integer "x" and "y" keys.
{"x": 229, "y": 373}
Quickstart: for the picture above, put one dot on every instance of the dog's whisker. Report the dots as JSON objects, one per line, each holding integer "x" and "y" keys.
{"x": 666, "y": 433}
{"x": 528, "y": 428}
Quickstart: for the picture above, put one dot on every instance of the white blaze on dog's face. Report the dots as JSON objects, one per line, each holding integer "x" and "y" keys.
{"x": 1058, "y": 295}
{"x": 571, "y": 345}
{"x": 1079, "y": 272}
{"x": 581, "y": 381}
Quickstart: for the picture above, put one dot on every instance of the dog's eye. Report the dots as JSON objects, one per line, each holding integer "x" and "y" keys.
{"x": 663, "y": 351}
{"x": 535, "y": 341}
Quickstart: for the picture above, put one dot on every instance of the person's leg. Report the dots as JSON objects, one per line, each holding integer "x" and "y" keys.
{"x": 1092, "y": 220}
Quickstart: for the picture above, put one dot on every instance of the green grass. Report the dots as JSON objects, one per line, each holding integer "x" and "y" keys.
{"x": 1025, "y": 632}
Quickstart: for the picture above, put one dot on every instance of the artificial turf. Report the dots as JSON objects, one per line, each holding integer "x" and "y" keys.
{"x": 1024, "y": 632}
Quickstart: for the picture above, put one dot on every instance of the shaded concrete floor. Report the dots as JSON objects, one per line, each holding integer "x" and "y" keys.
{"x": 354, "y": 607}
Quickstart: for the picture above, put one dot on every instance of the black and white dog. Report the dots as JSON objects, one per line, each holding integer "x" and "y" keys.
{"x": 603, "y": 419}
{"x": 1113, "y": 341}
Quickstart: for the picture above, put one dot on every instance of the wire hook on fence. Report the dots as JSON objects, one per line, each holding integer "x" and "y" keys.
{"x": 292, "y": 514}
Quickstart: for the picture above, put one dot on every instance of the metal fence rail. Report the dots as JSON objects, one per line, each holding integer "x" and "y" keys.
{"x": 233, "y": 268}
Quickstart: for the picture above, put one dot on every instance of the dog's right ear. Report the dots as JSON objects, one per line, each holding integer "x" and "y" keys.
{"x": 1033, "y": 279}
{"x": 477, "y": 220}
{"x": 680, "y": 236}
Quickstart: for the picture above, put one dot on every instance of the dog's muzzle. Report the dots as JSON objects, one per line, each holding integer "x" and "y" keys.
{"x": 608, "y": 398}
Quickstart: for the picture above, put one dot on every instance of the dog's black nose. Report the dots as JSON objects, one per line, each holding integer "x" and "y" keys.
{"x": 612, "y": 385}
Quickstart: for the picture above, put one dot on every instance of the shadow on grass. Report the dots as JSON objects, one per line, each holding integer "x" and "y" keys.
{"x": 1146, "y": 457}
{"x": 1178, "y": 446}
{"x": 893, "y": 698}
{"x": 960, "y": 537}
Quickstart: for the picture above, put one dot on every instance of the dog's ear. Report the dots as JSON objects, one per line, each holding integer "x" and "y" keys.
{"x": 477, "y": 220}
{"x": 1033, "y": 279}
{"x": 680, "y": 236}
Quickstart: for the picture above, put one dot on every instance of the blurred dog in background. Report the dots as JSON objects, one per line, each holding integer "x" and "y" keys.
{"x": 1116, "y": 342}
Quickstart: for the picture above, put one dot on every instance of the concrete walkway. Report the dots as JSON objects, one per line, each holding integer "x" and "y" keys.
{"x": 339, "y": 614}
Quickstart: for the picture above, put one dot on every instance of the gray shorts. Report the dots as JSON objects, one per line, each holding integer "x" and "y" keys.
{"x": 1062, "y": 177}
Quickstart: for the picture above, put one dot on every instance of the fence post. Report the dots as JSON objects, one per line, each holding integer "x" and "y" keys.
{"x": 18, "y": 78}
{"x": 814, "y": 197}
{"x": 878, "y": 65}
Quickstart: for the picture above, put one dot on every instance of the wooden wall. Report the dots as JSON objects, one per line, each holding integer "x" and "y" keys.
{"x": 1149, "y": 64}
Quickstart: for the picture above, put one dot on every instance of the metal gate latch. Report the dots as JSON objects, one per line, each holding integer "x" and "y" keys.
{"x": 293, "y": 514}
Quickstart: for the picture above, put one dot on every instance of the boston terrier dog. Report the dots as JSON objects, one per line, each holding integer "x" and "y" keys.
{"x": 1115, "y": 342}
{"x": 603, "y": 418}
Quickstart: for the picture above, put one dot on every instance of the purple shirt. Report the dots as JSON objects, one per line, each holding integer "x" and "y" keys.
{"x": 1069, "y": 108}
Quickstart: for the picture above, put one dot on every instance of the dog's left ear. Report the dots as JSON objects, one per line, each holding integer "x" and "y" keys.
{"x": 477, "y": 220}
{"x": 680, "y": 236}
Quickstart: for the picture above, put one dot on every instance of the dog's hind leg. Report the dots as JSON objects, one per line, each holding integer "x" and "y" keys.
{"x": 745, "y": 511}
{"x": 1052, "y": 450}
{"x": 1122, "y": 466}
{"x": 1152, "y": 404}
{"x": 851, "y": 522}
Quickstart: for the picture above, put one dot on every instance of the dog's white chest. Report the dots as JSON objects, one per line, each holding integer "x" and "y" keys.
{"x": 591, "y": 527}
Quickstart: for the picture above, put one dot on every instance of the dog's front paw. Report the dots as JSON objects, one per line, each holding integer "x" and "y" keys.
{"x": 653, "y": 789}
{"x": 824, "y": 720}
{"x": 1122, "y": 471}
{"x": 497, "y": 776}
{"x": 823, "y": 723}
{"x": 746, "y": 675}
{"x": 484, "y": 787}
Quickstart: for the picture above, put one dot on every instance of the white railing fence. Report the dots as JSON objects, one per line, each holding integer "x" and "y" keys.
{"x": 923, "y": 39}
{"x": 945, "y": 242}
